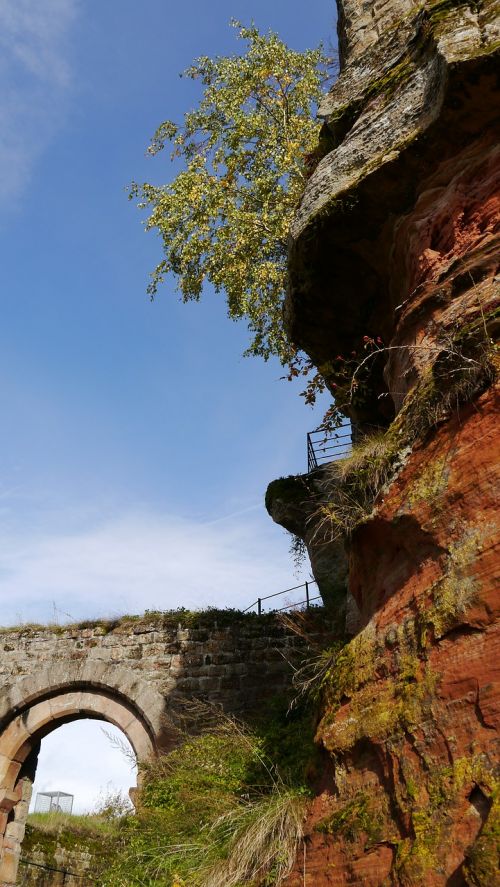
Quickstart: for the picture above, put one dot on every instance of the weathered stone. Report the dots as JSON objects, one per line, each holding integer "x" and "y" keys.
{"x": 8, "y": 800}
{"x": 397, "y": 240}
{"x": 403, "y": 211}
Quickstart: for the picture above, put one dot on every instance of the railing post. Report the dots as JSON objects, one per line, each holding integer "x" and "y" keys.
{"x": 307, "y": 595}
{"x": 259, "y": 607}
{"x": 311, "y": 455}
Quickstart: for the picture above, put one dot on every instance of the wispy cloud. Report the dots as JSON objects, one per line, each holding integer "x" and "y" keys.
{"x": 140, "y": 561}
{"x": 127, "y": 563}
{"x": 35, "y": 80}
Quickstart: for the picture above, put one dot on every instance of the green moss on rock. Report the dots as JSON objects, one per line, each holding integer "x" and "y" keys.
{"x": 431, "y": 822}
{"x": 481, "y": 867}
{"x": 360, "y": 815}
{"x": 292, "y": 490}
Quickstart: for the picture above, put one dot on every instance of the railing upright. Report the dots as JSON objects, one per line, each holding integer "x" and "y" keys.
{"x": 308, "y": 600}
{"x": 312, "y": 462}
{"x": 323, "y": 446}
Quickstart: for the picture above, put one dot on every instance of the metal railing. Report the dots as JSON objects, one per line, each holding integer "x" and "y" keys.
{"x": 321, "y": 448}
{"x": 324, "y": 447}
{"x": 308, "y": 600}
{"x": 83, "y": 878}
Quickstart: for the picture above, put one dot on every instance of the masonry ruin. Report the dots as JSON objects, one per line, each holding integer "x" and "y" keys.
{"x": 127, "y": 673}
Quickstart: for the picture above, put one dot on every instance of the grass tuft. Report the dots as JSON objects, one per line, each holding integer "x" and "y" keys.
{"x": 263, "y": 841}
{"x": 349, "y": 488}
{"x": 83, "y": 825}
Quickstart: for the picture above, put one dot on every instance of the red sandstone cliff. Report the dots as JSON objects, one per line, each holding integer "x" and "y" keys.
{"x": 397, "y": 238}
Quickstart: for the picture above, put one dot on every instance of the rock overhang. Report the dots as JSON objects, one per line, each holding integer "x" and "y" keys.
{"x": 430, "y": 100}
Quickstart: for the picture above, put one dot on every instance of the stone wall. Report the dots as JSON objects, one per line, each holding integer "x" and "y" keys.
{"x": 42, "y": 868}
{"x": 223, "y": 659}
{"x": 134, "y": 673}
{"x": 66, "y": 856}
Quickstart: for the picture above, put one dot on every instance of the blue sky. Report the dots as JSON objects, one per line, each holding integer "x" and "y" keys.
{"x": 137, "y": 442}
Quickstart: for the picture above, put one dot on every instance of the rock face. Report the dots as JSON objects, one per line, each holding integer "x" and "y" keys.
{"x": 396, "y": 236}
{"x": 293, "y": 503}
{"x": 394, "y": 256}
{"x": 411, "y": 715}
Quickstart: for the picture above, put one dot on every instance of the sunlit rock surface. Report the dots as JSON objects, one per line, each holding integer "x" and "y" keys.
{"x": 397, "y": 238}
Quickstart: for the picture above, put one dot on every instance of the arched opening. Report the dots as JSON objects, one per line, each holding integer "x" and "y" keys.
{"x": 84, "y": 783}
{"x": 91, "y": 762}
{"x": 20, "y": 743}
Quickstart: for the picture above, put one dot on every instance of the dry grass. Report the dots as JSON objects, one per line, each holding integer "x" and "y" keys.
{"x": 460, "y": 372}
{"x": 309, "y": 677}
{"x": 368, "y": 455}
{"x": 263, "y": 840}
{"x": 350, "y": 487}
{"x": 84, "y": 824}
{"x": 322, "y": 641}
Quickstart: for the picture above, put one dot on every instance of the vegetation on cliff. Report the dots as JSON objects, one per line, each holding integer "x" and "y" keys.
{"x": 224, "y": 807}
{"x": 402, "y": 777}
{"x": 344, "y": 492}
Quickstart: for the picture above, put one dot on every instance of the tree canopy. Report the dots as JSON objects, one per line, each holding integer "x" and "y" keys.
{"x": 245, "y": 155}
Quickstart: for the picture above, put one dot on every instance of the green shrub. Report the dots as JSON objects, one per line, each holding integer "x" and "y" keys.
{"x": 221, "y": 808}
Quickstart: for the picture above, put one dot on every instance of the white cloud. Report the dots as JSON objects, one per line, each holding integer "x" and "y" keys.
{"x": 141, "y": 561}
{"x": 35, "y": 78}
{"x": 129, "y": 563}
{"x": 80, "y": 759}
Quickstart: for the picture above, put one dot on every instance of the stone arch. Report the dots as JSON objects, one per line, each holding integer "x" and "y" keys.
{"x": 35, "y": 705}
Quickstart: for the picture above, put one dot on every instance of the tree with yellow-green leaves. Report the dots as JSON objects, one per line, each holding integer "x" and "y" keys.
{"x": 246, "y": 152}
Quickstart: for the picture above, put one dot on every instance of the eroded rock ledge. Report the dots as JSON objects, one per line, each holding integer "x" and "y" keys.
{"x": 398, "y": 228}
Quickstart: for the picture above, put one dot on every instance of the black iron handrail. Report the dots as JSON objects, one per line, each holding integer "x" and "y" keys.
{"x": 308, "y": 600}
{"x": 50, "y": 868}
{"x": 327, "y": 447}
